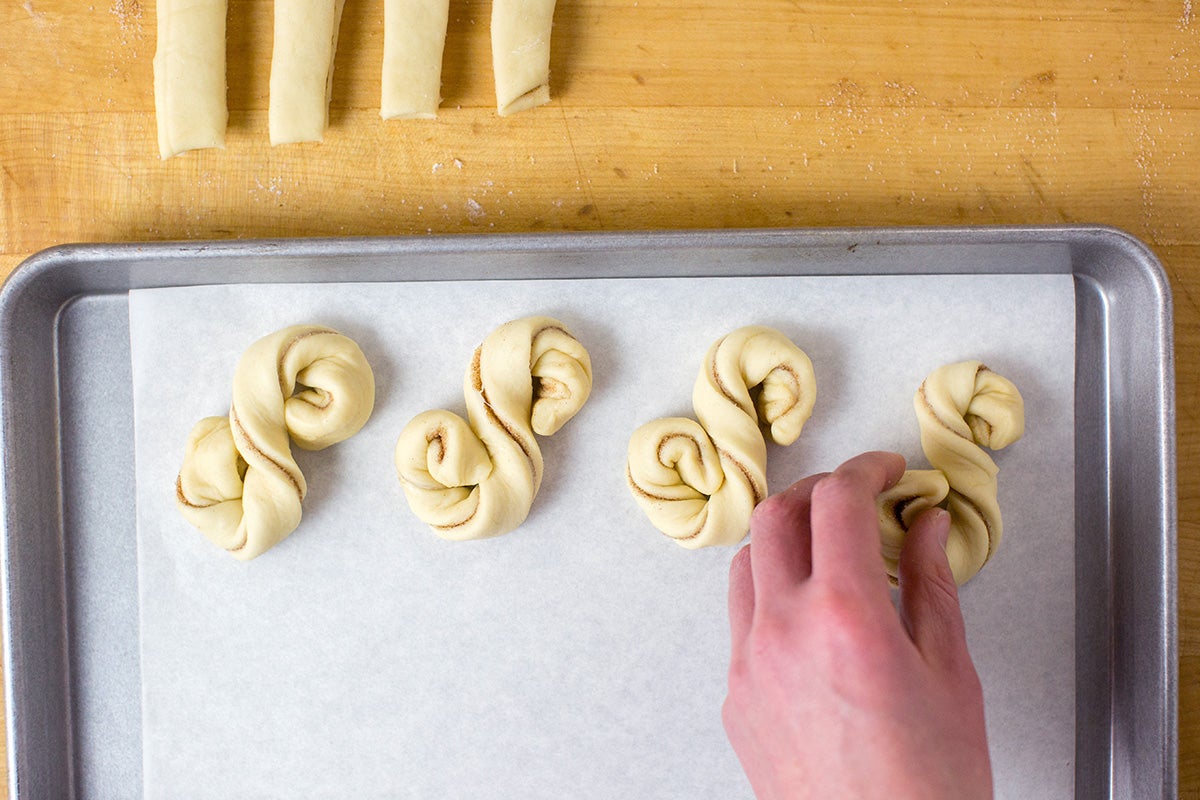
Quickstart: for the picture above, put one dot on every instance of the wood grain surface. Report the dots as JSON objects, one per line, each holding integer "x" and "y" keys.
{"x": 684, "y": 114}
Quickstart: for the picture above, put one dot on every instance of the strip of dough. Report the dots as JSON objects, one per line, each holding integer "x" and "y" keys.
{"x": 189, "y": 75}
{"x": 239, "y": 483}
{"x": 961, "y": 408}
{"x": 699, "y": 482}
{"x": 306, "y": 33}
{"x": 521, "y": 53}
{"x": 477, "y": 480}
{"x": 414, "y": 36}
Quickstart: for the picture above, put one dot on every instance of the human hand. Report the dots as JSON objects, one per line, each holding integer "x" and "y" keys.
{"x": 831, "y": 692}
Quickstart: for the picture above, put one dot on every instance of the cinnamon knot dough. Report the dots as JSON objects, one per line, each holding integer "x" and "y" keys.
{"x": 239, "y": 483}
{"x": 189, "y": 75}
{"x": 302, "y": 57}
{"x": 478, "y": 479}
{"x": 699, "y": 482}
{"x": 961, "y": 409}
{"x": 521, "y": 53}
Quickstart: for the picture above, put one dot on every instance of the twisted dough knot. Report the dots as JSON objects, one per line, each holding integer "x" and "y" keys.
{"x": 961, "y": 408}
{"x": 239, "y": 483}
{"x": 472, "y": 481}
{"x": 699, "y": 482}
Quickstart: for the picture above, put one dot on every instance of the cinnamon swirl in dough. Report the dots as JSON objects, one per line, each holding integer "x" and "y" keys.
{"x": 961, "y": 409}
{"x": 478, "y": 479}
{"x": 239, "y": 483}
{"x": 699, "y": 482}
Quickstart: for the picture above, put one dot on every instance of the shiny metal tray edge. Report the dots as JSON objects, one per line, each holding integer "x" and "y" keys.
{"x": 1127, "y": 741}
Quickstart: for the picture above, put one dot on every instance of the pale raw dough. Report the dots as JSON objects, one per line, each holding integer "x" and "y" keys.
{"x": 961, "y": 408}
{"x": 699, "y": 482}
{"x": 472, "y": 481}
{"x": 414, "y": 35}
{"x": 239, "y": 483}
{"x": 521, "y": 53}
{"x": 189, "y": 75}
{"x": 306, "y": 33}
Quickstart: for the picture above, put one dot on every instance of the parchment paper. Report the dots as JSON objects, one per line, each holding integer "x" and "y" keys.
{"x": 584, "y": 655}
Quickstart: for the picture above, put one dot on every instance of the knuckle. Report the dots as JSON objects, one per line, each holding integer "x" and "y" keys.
{"x": 939, "y": 584}
{"x": 835, "y": 488}
{"x": 769, "y": 630}
{"x": 933, "y": 577}
{"x": 846, "y": 624}
{"x": 773, "y": 637}
{"x": 937, "y": 571}
{"x": 773, "y": 512}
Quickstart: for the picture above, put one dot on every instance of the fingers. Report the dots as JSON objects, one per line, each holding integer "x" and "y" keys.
{"x": 741, "y": 597}
{"x": 928, "y": 594}
{"x": 781, "y": 550}
{"x": 845, "y": 521}
{"x": 777, "y": 558}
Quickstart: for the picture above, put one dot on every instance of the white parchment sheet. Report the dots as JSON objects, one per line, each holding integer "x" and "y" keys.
{"x": 584, "y": 655}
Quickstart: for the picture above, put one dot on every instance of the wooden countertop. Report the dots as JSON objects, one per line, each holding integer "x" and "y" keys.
{"x": 665, "y": 115}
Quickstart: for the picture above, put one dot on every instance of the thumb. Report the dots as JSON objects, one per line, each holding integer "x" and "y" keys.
{"x": 928, "y": 594}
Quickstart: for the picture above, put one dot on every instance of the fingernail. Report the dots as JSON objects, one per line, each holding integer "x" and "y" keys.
{"x": 941, "y": 525}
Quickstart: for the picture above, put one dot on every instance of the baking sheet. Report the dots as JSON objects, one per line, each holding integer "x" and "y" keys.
{"x": 583, "y": 655}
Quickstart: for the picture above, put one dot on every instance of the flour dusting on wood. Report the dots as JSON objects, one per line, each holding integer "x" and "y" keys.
{"x": 128, "y": 14}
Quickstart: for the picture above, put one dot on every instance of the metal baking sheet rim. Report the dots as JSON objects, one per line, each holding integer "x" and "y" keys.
{"x": 1125, "y": 439}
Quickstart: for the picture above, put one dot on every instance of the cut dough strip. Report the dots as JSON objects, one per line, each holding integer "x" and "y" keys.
{"x": 189, "y": 75}
{"x": 477, "y": 480}
{"x": 521, "y": 53}
{"x": 699, "y": 482}
{"x": 414, "y": 36}
{"x": 306, "y": 33}
{"x": 239, "y": 483}
{"x": 961, "y": 409}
